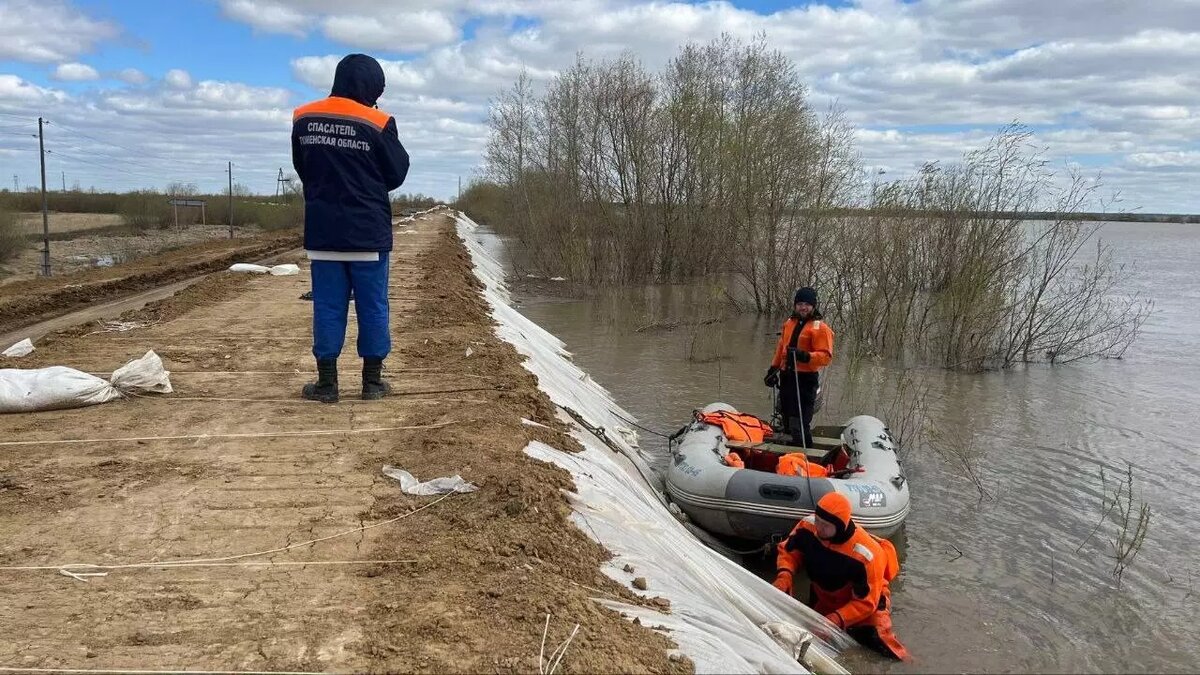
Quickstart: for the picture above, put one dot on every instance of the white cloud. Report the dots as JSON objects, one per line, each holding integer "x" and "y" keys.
{"x": 399, "y": 31}
{"x": 48, "y": 31}
{"x": 271, "y": 17}
{"x": 1109, "y": 84}
{"x": 317, "y": 72}
{"x": 1156, "y": 160}
{"x": 14, "y": 90}
{"x": 177, "y": 78}
{"x": 133, "y": 76}
{"x": 213, "y": 95}
{"x": 75, "y": 72}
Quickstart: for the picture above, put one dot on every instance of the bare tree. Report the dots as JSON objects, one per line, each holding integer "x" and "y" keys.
{"x": 719, "y": 165}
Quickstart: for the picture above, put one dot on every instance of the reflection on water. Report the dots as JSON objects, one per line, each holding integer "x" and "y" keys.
{"x": 989, "y": 584}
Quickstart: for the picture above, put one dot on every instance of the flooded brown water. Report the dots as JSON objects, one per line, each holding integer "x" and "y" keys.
{"x": 994, "y": 584}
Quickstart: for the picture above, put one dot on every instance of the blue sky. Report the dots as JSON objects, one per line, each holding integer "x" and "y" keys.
{"x": 1113, "y": 90}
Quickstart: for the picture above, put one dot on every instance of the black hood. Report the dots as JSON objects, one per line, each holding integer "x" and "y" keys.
{"x": 359, "y": 78}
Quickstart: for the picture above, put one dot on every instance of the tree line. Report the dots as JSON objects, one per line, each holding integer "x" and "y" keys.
{"x": 718, "y": 166}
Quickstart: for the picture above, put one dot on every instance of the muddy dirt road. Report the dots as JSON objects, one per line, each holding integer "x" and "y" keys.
{"x": 228, "y": 466}
{"x": 26, "y": 301}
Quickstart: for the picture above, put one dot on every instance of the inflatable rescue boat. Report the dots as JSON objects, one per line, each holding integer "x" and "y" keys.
{"x": 755, "y": 503}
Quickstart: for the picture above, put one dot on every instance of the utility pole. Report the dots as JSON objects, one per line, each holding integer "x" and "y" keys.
{"x": 459, "y": 198}
{"x": 16, "y": 188}
{"x": 279, "y": 183}
{"x": 64, "y": 177}
{"x": 45, "y": 204}
{"x": 230, "y": 171}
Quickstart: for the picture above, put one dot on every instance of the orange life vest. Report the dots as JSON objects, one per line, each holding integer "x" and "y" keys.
{"x": 737, "y": 426}
{"x": 797, "y": 464}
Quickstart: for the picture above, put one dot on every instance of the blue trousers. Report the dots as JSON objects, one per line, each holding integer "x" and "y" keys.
{"x": 332, "y": 282}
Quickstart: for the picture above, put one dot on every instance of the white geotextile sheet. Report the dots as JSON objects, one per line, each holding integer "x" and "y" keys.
{"x": 718, "y": 608}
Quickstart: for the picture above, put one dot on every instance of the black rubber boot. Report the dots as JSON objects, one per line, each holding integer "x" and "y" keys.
{"x": 374, "y": 388}
{"x": 325, "y": 389}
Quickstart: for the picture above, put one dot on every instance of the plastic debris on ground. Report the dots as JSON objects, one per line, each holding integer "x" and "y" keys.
{"x": 286, "y": 270}
{"x": 22, "y": 348}
{"x": 438, "y": 486}
{"x": 59, "y": 387}
{"x": 722, "y": 616}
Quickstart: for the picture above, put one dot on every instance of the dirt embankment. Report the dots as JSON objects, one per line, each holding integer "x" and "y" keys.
{"x": 480, "y": 571}
{"x": 33, "y": 300}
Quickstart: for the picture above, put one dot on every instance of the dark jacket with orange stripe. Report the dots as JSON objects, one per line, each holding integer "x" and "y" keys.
{"x": 348, "y": 155}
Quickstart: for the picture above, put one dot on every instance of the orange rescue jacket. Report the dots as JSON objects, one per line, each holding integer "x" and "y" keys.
{"x": 816, "y": 338}
{"x": 850, "y": 579}
{"x": 851, "y": 573}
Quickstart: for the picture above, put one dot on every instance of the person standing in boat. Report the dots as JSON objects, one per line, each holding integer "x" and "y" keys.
{"x": 805, "y": 347}
{"x": 850, "y": 573}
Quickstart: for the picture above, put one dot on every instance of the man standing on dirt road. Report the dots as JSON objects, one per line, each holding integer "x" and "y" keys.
{"x": 348, "y": 156}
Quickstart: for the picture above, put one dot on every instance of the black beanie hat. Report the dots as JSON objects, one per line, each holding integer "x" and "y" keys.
{"x": 806, "y": 294}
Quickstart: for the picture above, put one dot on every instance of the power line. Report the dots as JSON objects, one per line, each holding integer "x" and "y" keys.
{"x": 115, "y": 145}
{"x": 115, "y": 158}
{"x": 106, "y": 167}
{"x": 136, "y": 152}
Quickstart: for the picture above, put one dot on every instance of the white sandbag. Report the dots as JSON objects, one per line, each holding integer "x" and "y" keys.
{"x": 59, "y": 387}
{"x": 22, "y": 348}
{"x": 51, "y": 388}
{"x": 145, "y": 375}
{"x": 249, "y": 268}
{"x": 285, "y": 270}
{"x": 437, "y": 486}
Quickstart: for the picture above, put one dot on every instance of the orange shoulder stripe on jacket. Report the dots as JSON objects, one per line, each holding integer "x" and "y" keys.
{"x": 344, "y": 108}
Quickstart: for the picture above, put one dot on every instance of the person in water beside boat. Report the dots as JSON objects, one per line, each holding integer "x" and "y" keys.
{"x": 805, "y": 347}
{"x": 850, "y": 572}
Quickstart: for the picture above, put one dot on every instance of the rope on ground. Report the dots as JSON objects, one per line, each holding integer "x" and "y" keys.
{"x": 83, "y": 576}
{"x": 299, "y": 373}
{"x": 647, "y": 430}
{"x": 222, "y": 337}
{"x": 260, "y": 434}
{"x": 638, "y": 463}
{"x": 130, "y": 671}
{"x": 199, "y": 562}
{"x": 557, "y": 655}
{"x": 563, "y": 651}
{"x": 307, "y": 402}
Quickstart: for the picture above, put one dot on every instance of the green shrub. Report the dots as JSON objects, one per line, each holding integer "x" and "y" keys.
{"x": 144, "y": 210}
{"x": 270, "y": 216}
